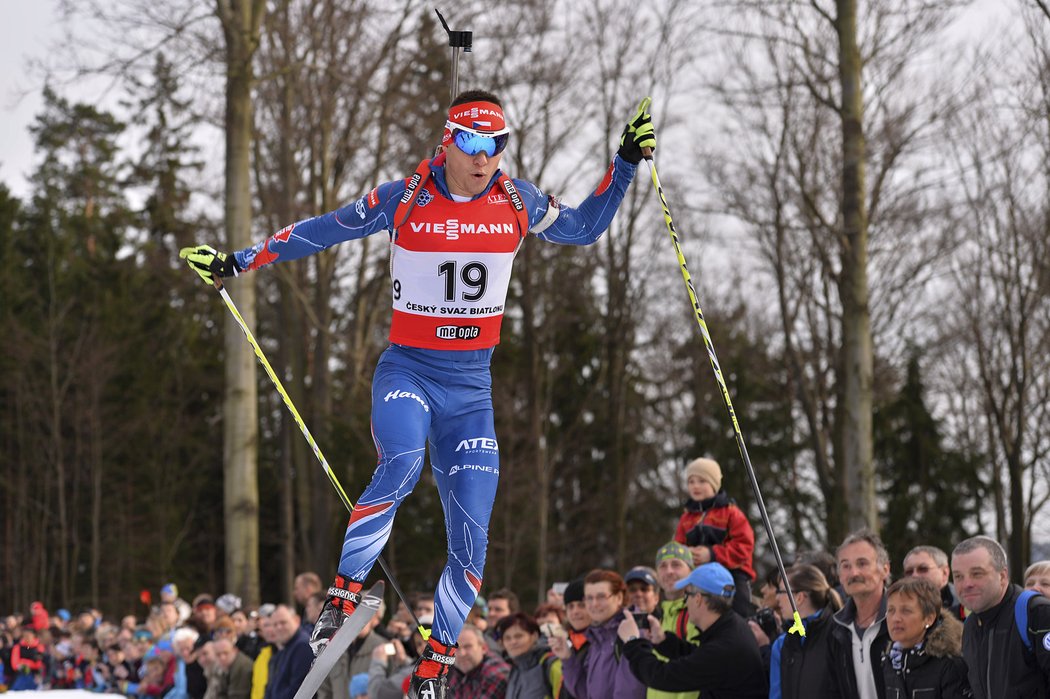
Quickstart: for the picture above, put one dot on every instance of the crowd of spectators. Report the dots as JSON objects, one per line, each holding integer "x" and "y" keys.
{"x": 947, "y": 627}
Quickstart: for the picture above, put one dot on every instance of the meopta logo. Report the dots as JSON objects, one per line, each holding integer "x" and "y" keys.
{"x": 410, "y": 188}
{"x": 394, "y": 395}
{"x": 478, "y": 444}
{"x": 457, "y": 332}
{"x": 453, "y": 228}
{"x": 515, "y": 198}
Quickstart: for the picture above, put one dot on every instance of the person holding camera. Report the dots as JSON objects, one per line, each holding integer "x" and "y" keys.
{"x": 725, "y": 664}
{"x": 674, "y": 562}
{"x": 535, "y": 672}
{"x": 601, "y": 671}
{"x": 391, "y": 665}
{"x": 716, "y": 530}
{"x": 765, "y": 625}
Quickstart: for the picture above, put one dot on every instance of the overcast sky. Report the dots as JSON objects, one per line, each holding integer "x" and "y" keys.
{"x": 26, "y": 29}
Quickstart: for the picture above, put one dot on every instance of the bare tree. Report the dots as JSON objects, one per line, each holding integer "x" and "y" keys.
{"x": 1001, "y": 146}
{"x": 328, "y": 131}
{"x": 241, "y": 22}
{"x": 799, "y": 72}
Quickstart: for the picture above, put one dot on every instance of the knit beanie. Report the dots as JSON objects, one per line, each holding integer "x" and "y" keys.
{"x": 673, "y": 549}
{"x": 706, "y": 469}
{"x": 573, "y": 592}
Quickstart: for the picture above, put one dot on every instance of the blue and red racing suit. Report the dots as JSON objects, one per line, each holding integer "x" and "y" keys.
{"x": 450, "y": 268}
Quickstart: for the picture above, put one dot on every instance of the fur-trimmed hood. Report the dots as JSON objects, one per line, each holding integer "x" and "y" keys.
{"x": 944, "y": 639}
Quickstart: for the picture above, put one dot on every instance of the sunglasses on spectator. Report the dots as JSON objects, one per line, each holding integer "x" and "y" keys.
{"x": 917, "y": 570}
{"x": 690, "y": 591}
{"x": 472, "y": 142}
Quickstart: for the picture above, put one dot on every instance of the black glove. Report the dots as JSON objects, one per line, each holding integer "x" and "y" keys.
{"x": 209, "y": 263}
{"x": 638, "y": 134}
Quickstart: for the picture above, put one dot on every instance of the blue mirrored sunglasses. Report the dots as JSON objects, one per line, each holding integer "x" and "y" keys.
{"x": 473, "y": 143}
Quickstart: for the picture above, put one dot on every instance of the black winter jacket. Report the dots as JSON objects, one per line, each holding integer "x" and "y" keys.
{"x": 804, "y": 668}
{"x": 727, "y": 662}
{"x": 934, "y": 670}
{"x": 1000, "y": 667}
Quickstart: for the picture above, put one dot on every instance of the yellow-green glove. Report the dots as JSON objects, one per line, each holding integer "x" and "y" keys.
{"x": 209, "y": 263}
{"x": 638, "y": 134}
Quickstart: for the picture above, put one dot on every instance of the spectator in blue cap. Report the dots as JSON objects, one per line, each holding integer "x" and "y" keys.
{"x": 643, "y": 592}
{"x": 726, "y": 664}
{"x": 359, "y": 686}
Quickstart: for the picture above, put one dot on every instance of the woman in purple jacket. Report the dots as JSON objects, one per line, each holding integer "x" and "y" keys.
{"x": 602, "y": 672}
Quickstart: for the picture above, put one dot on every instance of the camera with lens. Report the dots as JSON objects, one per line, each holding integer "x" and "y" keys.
{"x": 767, "y": 620}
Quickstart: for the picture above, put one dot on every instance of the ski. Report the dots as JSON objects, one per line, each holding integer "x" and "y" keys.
{"x": 342, "y": 639}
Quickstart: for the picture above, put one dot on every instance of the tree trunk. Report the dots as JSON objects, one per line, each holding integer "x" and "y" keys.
{"x": 291, "y": 347}
{"x": 537, "y": 381}
{"x": 241, "y": 20}
{"x": 854, "y": 426}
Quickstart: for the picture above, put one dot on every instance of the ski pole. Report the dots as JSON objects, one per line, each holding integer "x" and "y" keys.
{"x": 797, "y": 626}
{"x": 310, "y": 440}
{"x": 456, "y": 40}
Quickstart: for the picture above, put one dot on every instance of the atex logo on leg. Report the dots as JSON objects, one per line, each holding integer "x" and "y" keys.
{"x": 478, "y": 444}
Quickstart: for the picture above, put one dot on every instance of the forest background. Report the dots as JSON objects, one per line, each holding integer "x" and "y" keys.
{"x": 862, "y": 193}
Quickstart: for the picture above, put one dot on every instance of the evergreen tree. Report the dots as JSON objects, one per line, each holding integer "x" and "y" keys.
{"x": 103, "y": 376}
{"x": 929, "y": 491}
{"x": 167, "y": 163}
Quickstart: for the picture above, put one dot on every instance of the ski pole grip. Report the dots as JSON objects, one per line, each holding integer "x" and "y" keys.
{"x": 647, "y": 153}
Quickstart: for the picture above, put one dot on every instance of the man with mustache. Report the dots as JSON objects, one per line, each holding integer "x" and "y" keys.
{"x": 859, "y": 632}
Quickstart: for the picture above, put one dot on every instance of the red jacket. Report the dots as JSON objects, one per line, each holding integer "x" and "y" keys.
{"x": 29, "y": 655}
{"x": 723, "y": 527}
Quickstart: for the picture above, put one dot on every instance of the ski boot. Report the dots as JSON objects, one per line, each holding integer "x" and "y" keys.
{"x": 343, "y": 597}
{"x": 430, "y": 675}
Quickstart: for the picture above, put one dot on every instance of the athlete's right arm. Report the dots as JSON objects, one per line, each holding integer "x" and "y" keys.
{"x": 365, "y": 216}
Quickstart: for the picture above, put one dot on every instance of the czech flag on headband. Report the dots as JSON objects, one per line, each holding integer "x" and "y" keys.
{"x": 479, "y": 117}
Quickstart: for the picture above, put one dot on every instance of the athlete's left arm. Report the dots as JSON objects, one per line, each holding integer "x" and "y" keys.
{"x": 582, "y": 225}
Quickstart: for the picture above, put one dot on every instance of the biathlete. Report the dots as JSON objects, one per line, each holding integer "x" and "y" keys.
{"x": 455, "y": 226}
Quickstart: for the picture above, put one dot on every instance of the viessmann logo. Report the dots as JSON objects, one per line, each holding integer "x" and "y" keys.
{"x": 453, "y": 228}
{"x": 475, "y": 112}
